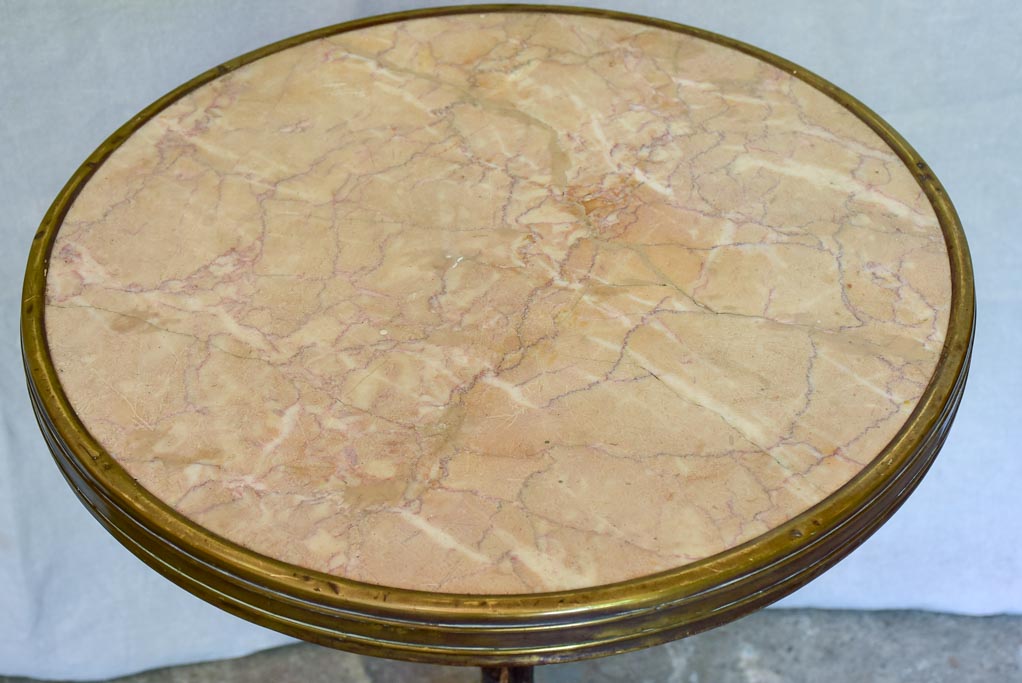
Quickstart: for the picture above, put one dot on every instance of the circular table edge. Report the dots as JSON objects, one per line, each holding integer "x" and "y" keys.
{"x": 498, "y": 629}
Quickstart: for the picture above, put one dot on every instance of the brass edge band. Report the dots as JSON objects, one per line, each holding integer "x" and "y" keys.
{"x": 500, "y": 629}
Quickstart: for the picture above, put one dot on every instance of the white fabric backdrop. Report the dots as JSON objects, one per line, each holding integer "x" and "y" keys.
{"x": 948, "y": 75}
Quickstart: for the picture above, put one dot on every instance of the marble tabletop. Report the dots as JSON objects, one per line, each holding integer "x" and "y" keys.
{"x": 498, "y": 303}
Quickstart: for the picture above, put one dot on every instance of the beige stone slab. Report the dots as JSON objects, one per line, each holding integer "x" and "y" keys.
{"x": 498, "y": 303}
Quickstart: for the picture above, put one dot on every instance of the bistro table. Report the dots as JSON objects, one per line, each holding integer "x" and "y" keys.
{"x": 498, "y": 335}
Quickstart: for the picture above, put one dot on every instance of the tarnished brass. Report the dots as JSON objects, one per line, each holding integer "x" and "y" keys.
{"x": 501, "y": 629}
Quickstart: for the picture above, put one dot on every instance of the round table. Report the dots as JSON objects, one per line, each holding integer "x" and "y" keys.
{"x": 498, "y": 335}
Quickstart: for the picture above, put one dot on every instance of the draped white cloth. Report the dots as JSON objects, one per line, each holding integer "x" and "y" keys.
{"x": 947, "y": 75}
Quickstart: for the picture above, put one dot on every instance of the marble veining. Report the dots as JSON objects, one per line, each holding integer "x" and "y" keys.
{"x": 498, "y": 303}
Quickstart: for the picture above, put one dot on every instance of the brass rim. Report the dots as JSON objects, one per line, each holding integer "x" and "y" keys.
{"x": 498, "y": 629}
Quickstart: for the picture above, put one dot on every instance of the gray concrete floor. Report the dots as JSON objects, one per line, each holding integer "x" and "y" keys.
{"x": 775, "y": 646}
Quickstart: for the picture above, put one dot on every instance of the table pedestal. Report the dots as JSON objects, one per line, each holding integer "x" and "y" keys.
{"x": 508, "y": 674}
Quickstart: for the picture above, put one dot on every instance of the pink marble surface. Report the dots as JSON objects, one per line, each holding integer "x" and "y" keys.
{"x": 498, "y": 303}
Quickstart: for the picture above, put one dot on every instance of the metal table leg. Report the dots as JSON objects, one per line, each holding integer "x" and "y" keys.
{"x": 508, "y": 674}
